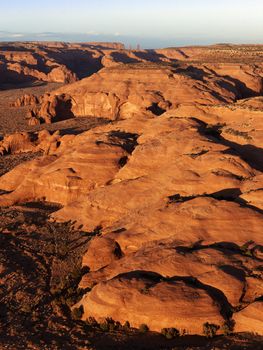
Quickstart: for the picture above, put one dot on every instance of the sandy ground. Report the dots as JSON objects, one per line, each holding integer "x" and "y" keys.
{"x": 13, "y": 119}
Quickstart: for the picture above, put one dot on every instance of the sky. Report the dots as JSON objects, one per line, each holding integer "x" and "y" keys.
{"x": 152, "y": 23}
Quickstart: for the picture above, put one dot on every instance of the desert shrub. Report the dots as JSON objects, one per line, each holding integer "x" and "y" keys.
{"x": 210, "y": 329}
{"x": 143, "y": 328}
{"x": 110, "y": 325}
{"x": 144, "y": 290}
{"x": 104, "y": 326}
{"x": 170, "y": 333}
{"x": 118, "y": 325}
{"x": 183, "y": 332}
{"x": 78, "y": 312}
{"x": 70, "y": 300}
{"x": 228, "y": 327}
{"x": 245, "y": 249}
{"x": 91, "y": 321}
{"x": 126, "y": 326}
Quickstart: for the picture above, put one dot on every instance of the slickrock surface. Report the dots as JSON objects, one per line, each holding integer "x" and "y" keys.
{"x": 27, "y": 142}
{"x": 250, "y": 318}
{"x": 135, "y": 90}
{"x": 148, "y": 300}
{"x": 171, "y": 186}
{"x": 124, "y": 91}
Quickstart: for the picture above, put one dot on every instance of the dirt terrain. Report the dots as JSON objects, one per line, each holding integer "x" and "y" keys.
{"x": 13, "y": 119}
{"x": 131, "y": 197}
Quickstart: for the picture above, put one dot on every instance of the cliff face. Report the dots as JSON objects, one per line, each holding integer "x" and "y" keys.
{"x": 50, "y": 62}
{"x": 125, "y": 91}
{"x": 166, "y": 191}
{"x": 65, "y": 63}
{"x": 25, "y": 68}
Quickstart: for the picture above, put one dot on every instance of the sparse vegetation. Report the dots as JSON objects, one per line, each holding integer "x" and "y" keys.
{"x": 78, "y": 312}
{"x": 170, "y": 333}
{"x": 228, "y": 327}
{"x": 91, "y": 321}
{"x": 104, "y": 326}
{"x": 210, "y": 329}
{"x": 109, "y": 325}
{"x": 127, "y": 326}
{"x": 246, "y": 250}
{"x": 143, "y": 328}
{"x": 47, "y": 280}
{"x": 242, "y": 134}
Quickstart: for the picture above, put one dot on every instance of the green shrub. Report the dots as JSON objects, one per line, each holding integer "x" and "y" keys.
{"x": 126, "y": 326}
{"x": 228, "y": 327}
{"x": 110, "y": 325}
{"x": 246, "y": 250}
{"x": 210, "y": 329}
{"x": 104, "y": 326}
{"x": 91, "y": 321}
{"x": 170, "y": 333}
{"x": 143, "y": 328}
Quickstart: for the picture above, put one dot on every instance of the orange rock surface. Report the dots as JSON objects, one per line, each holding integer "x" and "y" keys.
{"x": 250, "y": 318}
{"x": 172, "y": 185}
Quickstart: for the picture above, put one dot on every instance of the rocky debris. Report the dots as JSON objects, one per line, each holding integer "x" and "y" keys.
{"x": 16, "y": 143}
{"x": 32, "y": 120}
{"x": 37, "y": 258}
{"x": 26, "y": 100}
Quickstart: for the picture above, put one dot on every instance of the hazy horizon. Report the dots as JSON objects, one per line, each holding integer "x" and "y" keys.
{"x": 150, "y": 23}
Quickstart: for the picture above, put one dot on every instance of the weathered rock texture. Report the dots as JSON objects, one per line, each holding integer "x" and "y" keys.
{"x": 50, "y": 62}
{"x": 124, "y": 91}
{"x": 30, "y": 142}
{"x": 172, "y": 186}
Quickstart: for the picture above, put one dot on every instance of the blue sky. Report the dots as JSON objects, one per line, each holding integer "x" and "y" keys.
{"x": 151, "y": 22}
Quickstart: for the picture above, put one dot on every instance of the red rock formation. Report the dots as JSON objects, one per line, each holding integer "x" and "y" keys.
{"x": 173, "y": 185}
{"x": 146, "y": 299}
{"x": 30, "y": 142}
{"x": 26, "y": 100}
{"x": 123, "y": 92}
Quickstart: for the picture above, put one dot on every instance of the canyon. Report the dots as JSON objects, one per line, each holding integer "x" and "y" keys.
{"x": 144, "y": 169}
